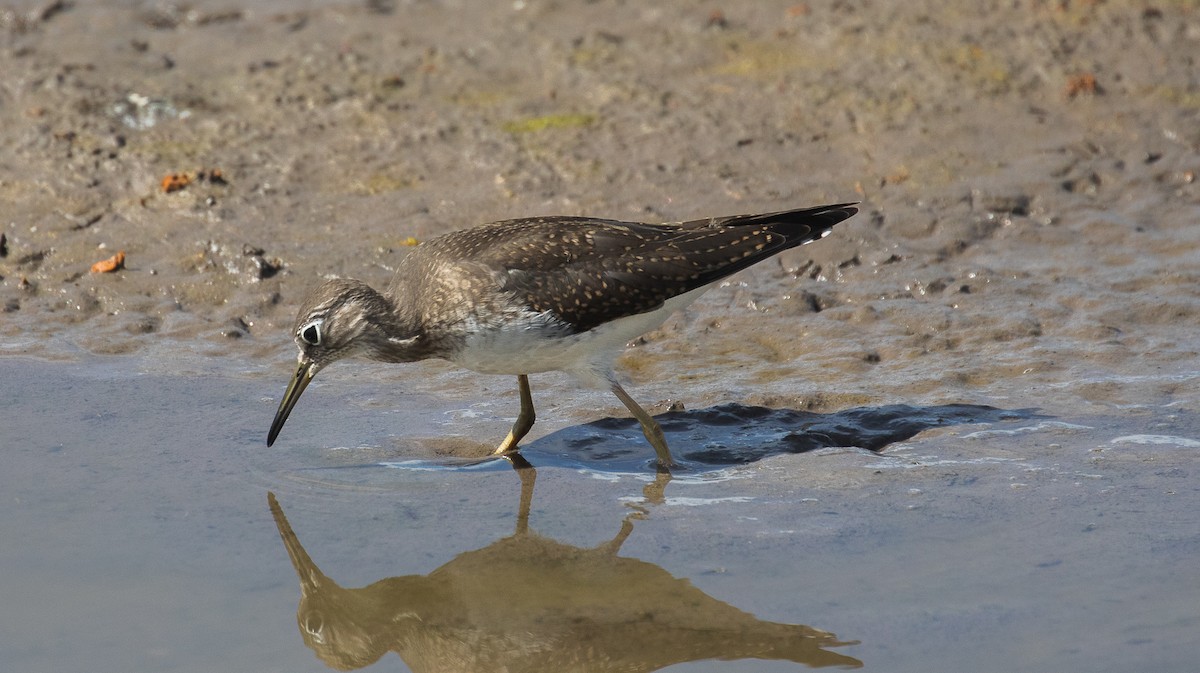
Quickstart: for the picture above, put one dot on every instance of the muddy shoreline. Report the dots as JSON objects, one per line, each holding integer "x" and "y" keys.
{"x": 1003, "y": 200}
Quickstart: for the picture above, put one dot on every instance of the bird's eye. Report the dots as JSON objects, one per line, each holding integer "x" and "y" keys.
{"x": 311, "y": 333}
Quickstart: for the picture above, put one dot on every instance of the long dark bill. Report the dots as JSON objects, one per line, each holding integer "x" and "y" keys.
{"x": 304, "y": 374}
{"x": 311, "y": 576}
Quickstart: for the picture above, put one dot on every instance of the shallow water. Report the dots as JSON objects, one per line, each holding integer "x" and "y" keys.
{"x": 139, "y": 538}
{"x": 960, "y": 433}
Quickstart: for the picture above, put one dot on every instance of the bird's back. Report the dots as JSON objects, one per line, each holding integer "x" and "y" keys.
{"x": 588, "y": 271}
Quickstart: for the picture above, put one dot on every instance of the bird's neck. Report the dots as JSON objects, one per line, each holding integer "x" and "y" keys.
{"x": 397, "y": 335}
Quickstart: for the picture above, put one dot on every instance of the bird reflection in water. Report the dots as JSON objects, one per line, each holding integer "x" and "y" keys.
{"x": 528, "y": 603}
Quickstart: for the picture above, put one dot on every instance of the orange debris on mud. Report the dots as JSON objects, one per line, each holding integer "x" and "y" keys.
{"x": 1082, "y": 84}
{"x": 111, "y": 264}
{"x": 175, "y": 182}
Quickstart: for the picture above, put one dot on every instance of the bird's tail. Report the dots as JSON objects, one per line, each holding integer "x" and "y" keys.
{"x": 805, "y": 224}
{"x": 796, "y": 226}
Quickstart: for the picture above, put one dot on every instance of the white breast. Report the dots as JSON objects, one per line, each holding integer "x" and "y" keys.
{"x": 534, "y": 342}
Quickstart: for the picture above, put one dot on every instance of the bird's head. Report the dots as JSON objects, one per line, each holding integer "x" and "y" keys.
{"x": 341, "y": 318}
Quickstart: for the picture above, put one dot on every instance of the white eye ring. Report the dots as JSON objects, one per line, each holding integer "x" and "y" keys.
{"x": 311, "y": 333}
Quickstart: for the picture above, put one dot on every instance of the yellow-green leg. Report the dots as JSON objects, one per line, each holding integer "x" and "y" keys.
{"x": 524, "y": 419}
{"x": 650, "y": 427}
{"x": 528, "y": 476}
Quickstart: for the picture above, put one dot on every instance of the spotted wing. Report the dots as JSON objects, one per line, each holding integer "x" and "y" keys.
{"x": 589, "y": 271}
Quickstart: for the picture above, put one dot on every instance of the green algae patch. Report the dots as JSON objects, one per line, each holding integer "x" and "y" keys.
{"x": 753, "y": 59}
{"x": 546, "y": 122}
{"x": 382, "y": 183}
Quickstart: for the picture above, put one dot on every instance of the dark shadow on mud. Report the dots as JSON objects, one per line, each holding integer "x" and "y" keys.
{"x": 733, "y": 434}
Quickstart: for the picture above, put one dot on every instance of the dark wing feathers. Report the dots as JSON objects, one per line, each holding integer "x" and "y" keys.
{"x": 820, "y": 218}
{"x": 589, "y": 271}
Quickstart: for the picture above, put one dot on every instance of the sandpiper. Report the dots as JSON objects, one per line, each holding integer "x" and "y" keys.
{"x": 539, "y": 294}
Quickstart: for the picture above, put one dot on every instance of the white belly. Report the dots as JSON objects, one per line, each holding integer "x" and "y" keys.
{"x": 530, "y": 345}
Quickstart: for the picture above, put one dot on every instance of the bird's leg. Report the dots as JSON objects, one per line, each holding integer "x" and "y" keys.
{"x": 650, "y": 428}
{"x": 524, "y": 419}
{"x": 653, "y": 493}
{"x": 528, "y": 475}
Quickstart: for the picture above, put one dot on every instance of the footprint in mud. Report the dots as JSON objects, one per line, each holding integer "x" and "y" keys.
{"x": 732, "y": 434}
